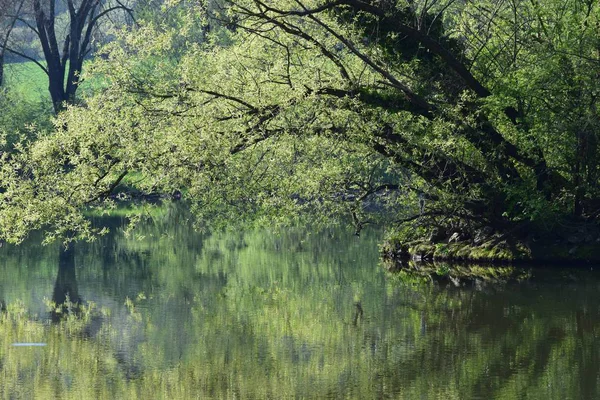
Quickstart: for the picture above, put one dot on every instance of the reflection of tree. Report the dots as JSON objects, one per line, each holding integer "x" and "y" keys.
{"x": 494, "y": 344}
{"x": 65, "y": 286}
{"x": 262, "y": 320}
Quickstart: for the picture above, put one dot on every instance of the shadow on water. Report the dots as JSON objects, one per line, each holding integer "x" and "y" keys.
{"x": 512, "y": 330}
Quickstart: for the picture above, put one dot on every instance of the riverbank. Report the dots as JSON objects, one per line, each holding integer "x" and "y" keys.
{"x": 496, "y": 250}
{"x": 494, "y": 262}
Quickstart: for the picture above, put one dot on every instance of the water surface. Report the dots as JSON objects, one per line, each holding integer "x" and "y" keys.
{"x": 170, "y": 313}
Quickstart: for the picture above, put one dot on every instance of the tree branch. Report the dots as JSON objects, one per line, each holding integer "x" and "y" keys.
{"x": 25, "y": 56}
{"x": 108, "y": 10}
{"x": 110, "y": 189}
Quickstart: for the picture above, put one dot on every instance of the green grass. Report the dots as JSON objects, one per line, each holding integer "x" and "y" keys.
{"x": 31, "y": 82}
{"x": 28, "y": 80}
{"x": 27, "y": 101}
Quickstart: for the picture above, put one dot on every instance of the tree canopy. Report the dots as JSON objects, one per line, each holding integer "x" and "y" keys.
{"x": 450, "y": 113}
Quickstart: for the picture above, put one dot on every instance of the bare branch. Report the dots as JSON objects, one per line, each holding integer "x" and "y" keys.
{"x": 25, "y": 56}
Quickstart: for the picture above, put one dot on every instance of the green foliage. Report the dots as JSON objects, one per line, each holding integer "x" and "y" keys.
{"x": 159, "y": 120}
{"x": 326, "y": 111}
{"x": 21, "y": 119}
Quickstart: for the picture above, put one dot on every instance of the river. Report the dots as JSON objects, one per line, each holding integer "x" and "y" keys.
{"x": 171, "y": 313}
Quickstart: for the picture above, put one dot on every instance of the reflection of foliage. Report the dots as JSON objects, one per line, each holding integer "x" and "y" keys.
{"x": 258, "y": 315}
{"x": 465, "y": 274}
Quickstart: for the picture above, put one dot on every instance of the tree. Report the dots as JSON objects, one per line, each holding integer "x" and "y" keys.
{"x": 480, "y": 116}
{"x": 64, "y": 50}
{"x": 483, "y": 153}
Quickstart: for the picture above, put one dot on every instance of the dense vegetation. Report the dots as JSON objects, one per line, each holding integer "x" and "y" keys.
{"x": 469, "y": 120}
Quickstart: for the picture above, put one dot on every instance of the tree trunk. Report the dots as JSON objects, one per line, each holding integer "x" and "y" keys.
{"x": 56, "y": 89}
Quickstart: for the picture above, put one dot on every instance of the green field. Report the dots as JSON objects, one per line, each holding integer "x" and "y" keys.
{"x": 31, "y": 82}
{"x": 28, "y": 80}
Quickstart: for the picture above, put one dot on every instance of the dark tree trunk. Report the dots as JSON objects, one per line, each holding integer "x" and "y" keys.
{"x": 65, "y": 62}
{"x": 56, "y": 89}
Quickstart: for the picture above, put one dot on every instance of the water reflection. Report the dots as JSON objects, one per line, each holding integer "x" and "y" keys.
{"x": 65, "y": 287}
{"x": 169, "y": 313}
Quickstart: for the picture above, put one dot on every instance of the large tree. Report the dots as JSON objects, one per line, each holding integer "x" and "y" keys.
{"x": 501, "y": 95}
{"x": 480, "y": 115}
{"x": 65, "y": 30}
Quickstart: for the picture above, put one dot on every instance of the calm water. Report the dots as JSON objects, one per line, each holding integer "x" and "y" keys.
{"x": 174, "y": 314}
